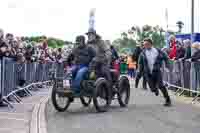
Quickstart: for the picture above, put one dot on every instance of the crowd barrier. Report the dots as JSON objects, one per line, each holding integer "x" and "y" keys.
{"x": 12, "y": 74}
{"x": 183, "y": 76}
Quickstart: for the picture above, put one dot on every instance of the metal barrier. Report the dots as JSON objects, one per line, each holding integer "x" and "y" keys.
{"x": 13, "y": 74}
{"x": 183, "y": 77}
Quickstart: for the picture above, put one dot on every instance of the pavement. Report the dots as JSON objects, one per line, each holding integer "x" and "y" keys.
{"x": 145, "y": 114}
{"x": 18, "y": 120}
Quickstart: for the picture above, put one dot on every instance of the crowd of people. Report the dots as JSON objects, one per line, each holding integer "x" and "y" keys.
{"x": 20, "y": 50}
{"x": 183, "y": 50}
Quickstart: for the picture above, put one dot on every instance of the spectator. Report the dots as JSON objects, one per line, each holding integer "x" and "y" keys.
{"x": 9, "y": 38}
{"x": 3, "y": 45}
{"x": 131, "y": 66}
{"x": 180, "y": 50}
{"x": 59, "y": 55}
{"x": 29, "y": 54}
{"x": 187, "y": 45}
{"x": 196, "y": 55}
{"x": 20, "y": 58}
{"x": 137, "y": 52}
{"x": 114, "y": 53}
{"x": 3, "y": 49}
{"x": 172, "y": 53}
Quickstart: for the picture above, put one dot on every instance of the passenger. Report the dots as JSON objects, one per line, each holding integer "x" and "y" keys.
{"x": 81, "y": 56}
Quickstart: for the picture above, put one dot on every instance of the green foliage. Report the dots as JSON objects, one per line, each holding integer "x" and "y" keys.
{"x": 137, "y": 34}
{"x": 52, "y": 42}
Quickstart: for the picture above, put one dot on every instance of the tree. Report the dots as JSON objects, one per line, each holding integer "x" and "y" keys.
{"x": 180, "y": 25}
{"x": 52, "y": 43}
{"x": 138, "y": 34}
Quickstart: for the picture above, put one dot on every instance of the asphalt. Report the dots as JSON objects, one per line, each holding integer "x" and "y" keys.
{"x": 145, "y": 114}
{"x": 17, "y": 120}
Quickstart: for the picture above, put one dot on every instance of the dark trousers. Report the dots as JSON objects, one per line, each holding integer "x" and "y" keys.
{"x": 155, "y": 82}
{"x": 104, "y": 71}
{"x": 137, "y": 79}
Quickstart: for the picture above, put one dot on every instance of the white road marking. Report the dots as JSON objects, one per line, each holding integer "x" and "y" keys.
{"x": 12, "y": 113}
{"x": 16, "y": 119}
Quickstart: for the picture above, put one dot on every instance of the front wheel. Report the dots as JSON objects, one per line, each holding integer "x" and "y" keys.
{"x": 123, "y": 91}
{"x": 101, "y": 95}
{"x": 59, "y": 101}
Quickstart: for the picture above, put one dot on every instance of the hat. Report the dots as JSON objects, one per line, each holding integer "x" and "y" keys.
{"x": 196, "y": 45}
{"x": 91, "y": 31}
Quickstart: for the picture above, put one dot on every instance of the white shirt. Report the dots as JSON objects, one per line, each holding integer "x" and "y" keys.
{"x": 151, "y": 55}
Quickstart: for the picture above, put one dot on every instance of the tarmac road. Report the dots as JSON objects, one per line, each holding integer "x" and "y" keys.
{"x": 145, "y": 114}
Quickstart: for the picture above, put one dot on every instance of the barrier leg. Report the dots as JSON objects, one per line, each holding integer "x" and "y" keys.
{"x": 7, "y": 102}
{"x": 17, "y": 98}
{"x": 195, "y": 98}
{"x": 177, "y": 91}
{"x": 27, "y": 91}
{"x": 181, "y": 93}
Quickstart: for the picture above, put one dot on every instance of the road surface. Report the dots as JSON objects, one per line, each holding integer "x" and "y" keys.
{"x": 145, "y": 114}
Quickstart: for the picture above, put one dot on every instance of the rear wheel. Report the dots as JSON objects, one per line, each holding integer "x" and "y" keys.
{"x": 101, "y": 95}
{"x": 59, "y": 101}
{"x": 123, "y": 91}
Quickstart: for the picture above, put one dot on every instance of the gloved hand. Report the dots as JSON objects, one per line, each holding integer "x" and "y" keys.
{"x": 92, "y": 75}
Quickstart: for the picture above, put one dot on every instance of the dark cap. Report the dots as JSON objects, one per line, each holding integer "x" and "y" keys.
{"x": 80, "y": 38}
{"x": 148, "y": 40}
{"x": 91, "y": 31}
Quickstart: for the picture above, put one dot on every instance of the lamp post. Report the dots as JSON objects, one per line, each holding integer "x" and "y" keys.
{"x": 167, "y": 26}
{"x": 192, "y": 20}
{"x": 92, "y": 19}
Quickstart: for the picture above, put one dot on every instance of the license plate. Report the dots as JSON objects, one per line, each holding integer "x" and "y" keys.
{"x": 66, "y": 84}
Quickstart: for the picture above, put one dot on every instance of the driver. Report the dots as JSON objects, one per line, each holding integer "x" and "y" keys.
{"x": 81, "y": 56}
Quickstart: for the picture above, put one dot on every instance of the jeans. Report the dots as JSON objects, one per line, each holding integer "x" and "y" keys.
{"x": 78, "y": 74}
{"x": 131, "y": 73}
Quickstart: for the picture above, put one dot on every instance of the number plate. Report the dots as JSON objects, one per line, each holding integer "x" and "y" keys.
{"x": 66, "y": 84}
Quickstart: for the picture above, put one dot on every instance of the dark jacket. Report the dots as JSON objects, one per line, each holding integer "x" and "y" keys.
{"x": 114, "y": 54}
{"x": 81, "y": 55}
{"x": 136, "y": 55}
{"x": 187, "y": 53}
{"x": 143, "y": 63}
{"x": 180, "y": 53}
{"x": 195, "y": 56}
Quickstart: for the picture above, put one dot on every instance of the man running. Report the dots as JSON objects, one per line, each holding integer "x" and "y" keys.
{"x": 150, "y": 62}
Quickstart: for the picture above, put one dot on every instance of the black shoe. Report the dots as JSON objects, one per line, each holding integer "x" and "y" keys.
{"x": 144, "y": 88}
{"x": 156, "y": 92}
{"x": 168, "y": 103}
{"x": 71, "y": 99}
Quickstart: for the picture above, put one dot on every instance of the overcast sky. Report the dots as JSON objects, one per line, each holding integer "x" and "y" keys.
{"x": 67, "y": 18}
